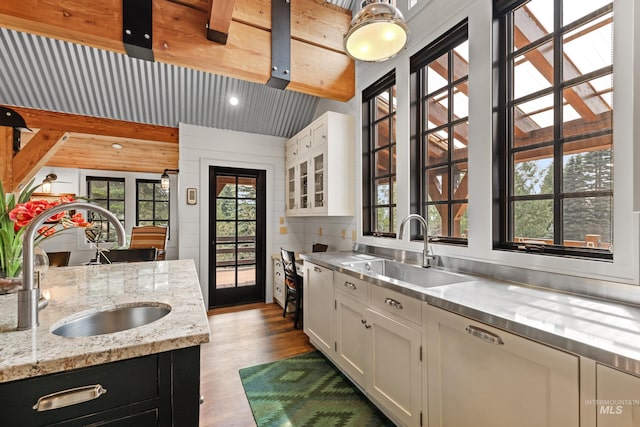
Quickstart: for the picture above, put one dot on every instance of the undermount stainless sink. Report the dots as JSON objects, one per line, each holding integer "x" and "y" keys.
{"x": 425, "y": 277}
{"x": 116, "y": 319}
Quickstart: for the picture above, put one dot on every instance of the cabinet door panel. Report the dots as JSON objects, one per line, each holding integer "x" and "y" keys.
{"x": 473, "y": 380}
{"x": 395, "y": 374}
{"x": 318, "y": 306}
{"x": 351, "y": 336}
{"x": 620, "y": 396}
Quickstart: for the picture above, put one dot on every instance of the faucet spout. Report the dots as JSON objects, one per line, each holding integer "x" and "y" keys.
{"x": 426, "y": 254}
{"x": 29, "y": 295}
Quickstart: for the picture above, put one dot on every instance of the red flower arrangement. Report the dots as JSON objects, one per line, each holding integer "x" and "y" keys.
{"x": 14, "y": 217}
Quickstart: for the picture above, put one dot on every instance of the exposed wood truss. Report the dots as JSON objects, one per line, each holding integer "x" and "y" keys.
{"x": 75, "y": 141}
{"x": 319, "y": 65}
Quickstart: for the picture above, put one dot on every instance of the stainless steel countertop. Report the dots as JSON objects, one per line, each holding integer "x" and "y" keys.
{"x": 607, "y": 332}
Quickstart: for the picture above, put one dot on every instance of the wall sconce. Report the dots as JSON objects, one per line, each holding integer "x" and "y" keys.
{"x": 378, "y": 32}
{"x": 164, "y": 178}
{"x": 47, "y": 182}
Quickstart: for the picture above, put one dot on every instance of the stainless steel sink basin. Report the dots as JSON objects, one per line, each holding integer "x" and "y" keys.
{"x": 116, "y": 319}
{"x": 425, "y": 277}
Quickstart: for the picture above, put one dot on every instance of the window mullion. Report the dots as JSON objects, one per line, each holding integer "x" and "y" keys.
{"x": 558, "y": 58}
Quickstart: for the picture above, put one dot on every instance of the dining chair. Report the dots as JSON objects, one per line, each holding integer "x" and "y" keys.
{"x": 293, "y": 283}
{"x": 113, "y": 256}
{"x": 149, "y": 236}
{"x": 319, "y": 247}
{"x": 59, "y": 259}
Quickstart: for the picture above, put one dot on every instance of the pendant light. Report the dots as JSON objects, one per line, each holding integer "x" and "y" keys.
{"x": 378, "y": 32}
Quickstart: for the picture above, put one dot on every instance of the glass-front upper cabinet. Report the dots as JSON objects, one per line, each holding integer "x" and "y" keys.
{"x": 318, "y": 179}
{"x": 319, "y": 168}
{"x": 291, "y": 187}
{"x": 303, "y": 167}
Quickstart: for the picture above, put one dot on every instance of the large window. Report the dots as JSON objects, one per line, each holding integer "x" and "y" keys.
{"x": 440, "y": 123}
{"x": 152, "y": 203}
{"x": 379, "y": 157}
{"x": 108, "y": 193}
{"x": 555, "y": 137}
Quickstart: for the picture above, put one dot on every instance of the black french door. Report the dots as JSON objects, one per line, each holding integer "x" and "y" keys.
{"x": 237, "y": 231}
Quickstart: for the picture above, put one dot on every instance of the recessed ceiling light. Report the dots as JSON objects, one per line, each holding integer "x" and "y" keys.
{"x": 234, "y": 100}
{"x": 116, "y": 146}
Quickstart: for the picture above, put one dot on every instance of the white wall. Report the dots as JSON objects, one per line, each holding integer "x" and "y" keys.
{"x": 74, "y": 181}
{"x": 432, "y": 18}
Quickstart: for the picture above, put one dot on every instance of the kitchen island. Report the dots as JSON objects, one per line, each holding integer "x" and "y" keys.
{"x": 155, "y": 367}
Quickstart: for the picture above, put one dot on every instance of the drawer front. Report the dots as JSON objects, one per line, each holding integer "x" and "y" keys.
{"x": 349, "y": 285}
{"x": 397, "y": 304}
{"x": 278, "y": 272}
{"x": 125, "y": 382}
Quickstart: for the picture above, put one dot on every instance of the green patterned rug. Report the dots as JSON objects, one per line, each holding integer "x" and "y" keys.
{"x": 307, "y": 390}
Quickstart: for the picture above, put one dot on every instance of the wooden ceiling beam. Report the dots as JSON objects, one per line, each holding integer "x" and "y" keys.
{"x": 220, "y": 12}
{"x": 76, "y": 123}
{"x": 319, "y": 65}
{"x": 33, "y": 156}
{"x": 6, "y": 157}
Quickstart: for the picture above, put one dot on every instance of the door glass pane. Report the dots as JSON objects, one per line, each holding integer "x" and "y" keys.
{"x": 247, "y": 188}
{"x": 246, "y": 275}
{"x": 246, "y": 209}
{"x": 246, "y": 229}
{"x": 304, "y": 182}
{"x": 226, "y": 230}
{"x": 291, "y": 196}
{"x": 225, "y": 209}
{"x": 318, "y": 180}
{"x": 225, "y": 277}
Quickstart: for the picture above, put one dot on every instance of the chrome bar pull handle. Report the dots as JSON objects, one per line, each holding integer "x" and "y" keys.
{"x": 72, "y": 396}
{"x": 393, "y": 303}
{"x": 484, "y": 335}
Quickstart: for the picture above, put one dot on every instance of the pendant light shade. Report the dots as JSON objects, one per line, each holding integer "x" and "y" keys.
{"x": 378, "y": 32}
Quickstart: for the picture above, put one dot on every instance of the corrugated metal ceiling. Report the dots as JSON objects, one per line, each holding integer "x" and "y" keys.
{"x": 48, "y": 74}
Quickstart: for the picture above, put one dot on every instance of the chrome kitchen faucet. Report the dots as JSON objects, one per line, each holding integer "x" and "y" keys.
{"x": 29, "y": 295}
{"x": 426, "y": 253}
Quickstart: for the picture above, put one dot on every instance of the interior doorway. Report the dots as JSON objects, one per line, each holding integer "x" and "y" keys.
{"x": 237, "y": 229}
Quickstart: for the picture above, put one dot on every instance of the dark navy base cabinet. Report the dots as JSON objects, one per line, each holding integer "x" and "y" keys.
{"x": 158, "y": 390}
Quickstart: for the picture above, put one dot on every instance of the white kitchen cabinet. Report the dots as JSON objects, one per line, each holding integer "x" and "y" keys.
{"x": 618, "y": 398}
{"x": 378, "y": 349}
{"x": 352, "y": 354}
{"x": 395, "y": 373}
{"x": 320, "y": 173}
{"x": 478, "y": 375}
{"x": 318, "y": 306}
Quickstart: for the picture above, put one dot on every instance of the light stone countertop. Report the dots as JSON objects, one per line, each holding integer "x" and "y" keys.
{"x": 35, "y": 352}
{"x": 605, "y": 331}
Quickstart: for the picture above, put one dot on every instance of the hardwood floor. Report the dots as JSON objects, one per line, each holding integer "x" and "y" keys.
{"x": 242, "y": 336}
